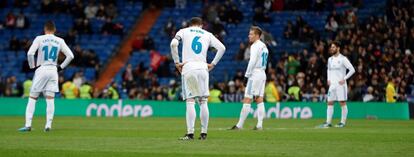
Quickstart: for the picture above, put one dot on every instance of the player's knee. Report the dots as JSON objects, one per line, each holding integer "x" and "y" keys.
{"x": 203, "y": 100}
{"x": 49, "y": 95}
{"x": 247, "y": 100}
{"x": 35, "y": 98}
{"x": 342, "y": 103}
{"x": 34, "y": 95}
{"x": 259, "y": 99}
{"x": 190, "y": 100}
{"x": 330, "y": 103}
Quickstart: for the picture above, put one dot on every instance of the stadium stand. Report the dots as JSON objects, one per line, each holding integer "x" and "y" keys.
{"x": 93, "y": 36}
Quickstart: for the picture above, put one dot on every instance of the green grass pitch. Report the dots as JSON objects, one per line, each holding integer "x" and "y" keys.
{"x": 89, "y": 137}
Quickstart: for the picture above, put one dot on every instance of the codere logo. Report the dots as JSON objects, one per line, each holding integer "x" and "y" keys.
{"x": 103, "y": 110}
{"x": 290, "y": 112}
{"x": 287, "y": 112}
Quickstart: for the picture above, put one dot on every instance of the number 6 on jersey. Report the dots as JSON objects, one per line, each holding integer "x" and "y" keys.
{"x": 196, "y": 45}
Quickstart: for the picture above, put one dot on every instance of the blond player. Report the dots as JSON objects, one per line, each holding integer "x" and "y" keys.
{"x": 194, "y": 71}
{"x": 255, "y": 73}
{"x": 45, "y": 79}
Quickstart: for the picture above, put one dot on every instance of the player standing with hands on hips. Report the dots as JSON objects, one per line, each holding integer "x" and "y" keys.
{"x": 338, "y": 89}
{"x": 256, "y": 76}
{"x": 45, "y": 79}
{"x": 194, "y": 71}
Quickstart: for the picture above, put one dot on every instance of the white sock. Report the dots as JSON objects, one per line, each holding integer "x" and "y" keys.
{"x": 243, "y": 115}
{"x": 329, "y": 114}
{"x": 50, "y": 111}
{"x": 344, "y": 114}
{"x": 260, "y": 115}
{"x": 190, "y": 117}
{"x": 30, "y": 108}
{"x": 204, "y": 116}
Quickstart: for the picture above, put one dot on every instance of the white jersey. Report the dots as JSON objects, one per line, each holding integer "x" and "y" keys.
{"x": 48, "y": 47}
{"x": 337, "y": 66}
{"x": 196, "y": 43}
{"x": 258, "y": 58}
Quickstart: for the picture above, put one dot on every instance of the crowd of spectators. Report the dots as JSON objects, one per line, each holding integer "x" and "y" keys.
{"x": 380, "y": 48}
{"x": 300, "y": 31}
{"x": 82, "y": 12}
{"x": 304, "y": 5}
{"x": 15, "y": 21}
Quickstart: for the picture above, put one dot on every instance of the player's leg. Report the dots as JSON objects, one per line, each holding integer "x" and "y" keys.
{"x": 329, "y": 113}
{"x": 204, "y": 117}
{"x": 50, "y": 109}
{"x": 332, "y": 97}
{"x": 38, "y": 84}
{"x": 261, "y": 113}
{"x": 329, "y": 110}
{"x": 190, "y": 115}
{"x": 247, "y": 100}
{"x": 342, "y": 97}
{"x": 244, "y": 112}
{"x": 52, "y": 86}
{"x": 203, "y": 79}
{"x": 344, "y": 114}
{"x": 30, "y": 108}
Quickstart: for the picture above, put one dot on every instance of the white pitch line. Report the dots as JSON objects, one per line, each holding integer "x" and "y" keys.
{"x": 220, "y": 129}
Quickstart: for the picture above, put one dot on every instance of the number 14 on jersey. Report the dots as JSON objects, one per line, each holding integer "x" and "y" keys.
{"x": 50, "y": 54}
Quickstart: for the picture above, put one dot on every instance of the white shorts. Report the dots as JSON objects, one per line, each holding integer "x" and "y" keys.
{"x": 338, "y": 93}
{"x": 195, "y": 84}
{"x": 256, "y": 84}
{"x": 45, "y": 79}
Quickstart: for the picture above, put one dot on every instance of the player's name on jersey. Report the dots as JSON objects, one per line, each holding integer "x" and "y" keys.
{"x": 197, "y": 31}
{"x": 50, "y": 40}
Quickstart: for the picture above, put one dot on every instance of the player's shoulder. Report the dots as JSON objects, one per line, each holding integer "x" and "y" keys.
{"x": 39, "y": 37}
{"x": 330, "y": 58}
{"x": 49, "y": 36}
{"x": 259, "y": 44}
{"x": 206, "y": 32}
{"x": 59, "y": 39}
{"x": 262, "y": 44}
{"x": 186, "y": 29}
{"x": 182, "y": 29}
{"x": 343, "y": 56}
{"x": 181, "y": 33}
